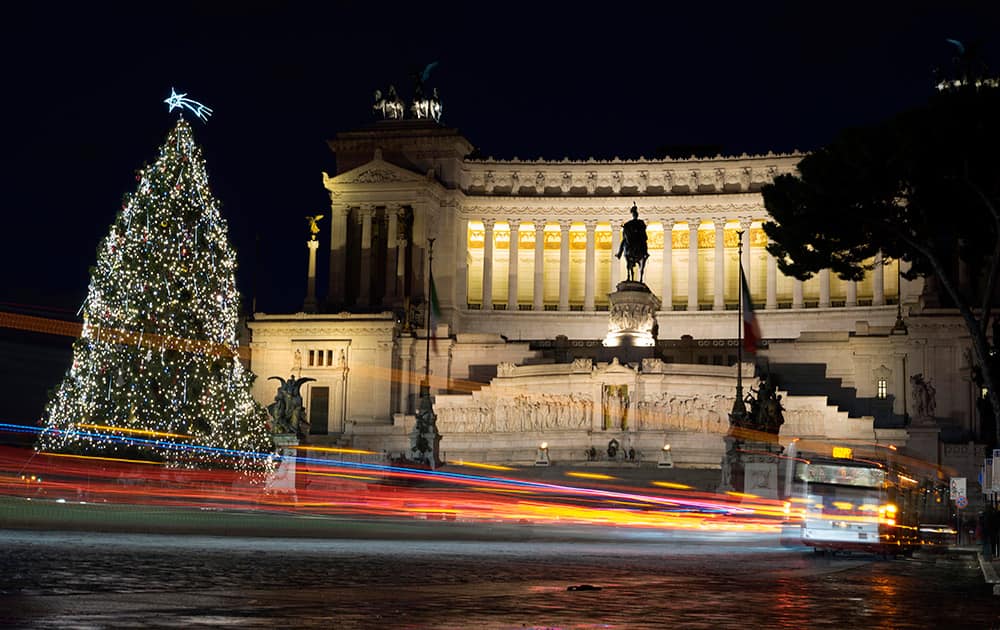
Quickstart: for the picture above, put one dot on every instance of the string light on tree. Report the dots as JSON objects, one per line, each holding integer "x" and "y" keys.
{"x": 159, "y": 349}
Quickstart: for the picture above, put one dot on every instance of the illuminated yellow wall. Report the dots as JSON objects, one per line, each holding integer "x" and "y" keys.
{"x": 604, "y": 259}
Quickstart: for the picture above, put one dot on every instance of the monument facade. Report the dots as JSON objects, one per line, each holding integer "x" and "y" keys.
{"x": 540, "y": 282}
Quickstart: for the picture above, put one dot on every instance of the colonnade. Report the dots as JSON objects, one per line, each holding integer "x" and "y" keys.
{"x": 556, "y": 265}
{"x": 713, "y": 232}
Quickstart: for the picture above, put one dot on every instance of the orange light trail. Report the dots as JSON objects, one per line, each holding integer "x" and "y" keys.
{"x": 339, "y": 488}
{"x": 332, "y": 449}
{"x": 672, "y": 485}
{"x": 147, "y": 432}
{"x": 583, "y": 475}
{"x": 106, "y": 459}
{"x": 483, "y": 466}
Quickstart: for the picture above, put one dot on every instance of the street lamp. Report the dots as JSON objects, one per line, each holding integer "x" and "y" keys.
{"x": 666, "y": 458}
{"x": 542, "y": 455}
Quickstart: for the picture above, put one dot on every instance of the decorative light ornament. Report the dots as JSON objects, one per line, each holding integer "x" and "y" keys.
{"x": 177, "y": 101}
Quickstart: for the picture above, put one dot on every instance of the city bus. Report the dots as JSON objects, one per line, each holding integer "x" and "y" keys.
{"x": 845, "y": 502}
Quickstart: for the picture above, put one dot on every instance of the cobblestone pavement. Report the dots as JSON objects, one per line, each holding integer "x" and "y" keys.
{"x": 82, "y": 580}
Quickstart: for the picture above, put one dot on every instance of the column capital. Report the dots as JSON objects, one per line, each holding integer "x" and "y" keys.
{"x": 539, "y": 224}
{"x": 340, "y": 210}
{"x": 668, "y": 223}
{"x": 565, "y": 225}
{"x": 489, "y": 224}
{"x": 515, "y": 224}
{"x": 590, "y": 224}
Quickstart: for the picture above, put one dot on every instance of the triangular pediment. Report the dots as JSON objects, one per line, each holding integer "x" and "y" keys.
{"x": 377, "y": 171}
{"x": 615, "y": 367}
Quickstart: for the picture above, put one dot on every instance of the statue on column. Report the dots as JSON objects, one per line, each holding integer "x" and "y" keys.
{"x": 633, "y": 245}
{"x": 313, "y": 225}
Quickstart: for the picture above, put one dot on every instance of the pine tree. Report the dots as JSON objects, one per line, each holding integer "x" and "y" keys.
{"x": 156, "y": 372}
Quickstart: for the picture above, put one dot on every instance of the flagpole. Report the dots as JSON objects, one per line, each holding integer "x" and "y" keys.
{"x": 739, "y": 408}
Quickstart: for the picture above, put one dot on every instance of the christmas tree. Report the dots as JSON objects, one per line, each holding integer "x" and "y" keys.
{"x": 156, "y": 372}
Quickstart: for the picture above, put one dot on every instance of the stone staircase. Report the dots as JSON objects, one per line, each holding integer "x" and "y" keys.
{"x": 810, "y": 379}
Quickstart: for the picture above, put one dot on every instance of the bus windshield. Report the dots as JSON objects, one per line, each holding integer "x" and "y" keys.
{"x": 840, "y": 475}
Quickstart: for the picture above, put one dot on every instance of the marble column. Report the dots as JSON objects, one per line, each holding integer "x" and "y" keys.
{"x": 899, "y": 383}
{"x": 338, "y": 399}
{"x": 392, "y": 255}
{"x": 904, "y": 284}
{"x": 338, "y": 254}
{"x": 693, "y": 264}
{"x": 310, "y": 304}
{"x": 772, "y": 283}
{"x": 878, "y": 282}
{"x": 513, "y": 243}
{"x": 824, "y": 288}
{"x": 745, "y": 260}
{"x": 797, "y": 300}
{"x": 616, "y": 263}
{"x": 538, "y": 296}
{"x": 488, "y": 264}
{"x": 365, "y": 264}
{"x": 405, "y": 377}
{"x": 718, "y": 283}
{"x": 461, "y": 297}
{"x": 564, "y": 266}
{"x": 668, "y": 266}
{"x": 851, "y": 298}
{"x": 591, "y": 268}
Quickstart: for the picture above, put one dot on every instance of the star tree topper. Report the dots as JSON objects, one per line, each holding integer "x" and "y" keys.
{"x": 178, "y": 101}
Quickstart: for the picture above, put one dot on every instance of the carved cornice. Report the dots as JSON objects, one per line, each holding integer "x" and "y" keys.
{"x": 624, "y": 177}
{"x": 674, "y": 210}
{"x": 333, "y": 333}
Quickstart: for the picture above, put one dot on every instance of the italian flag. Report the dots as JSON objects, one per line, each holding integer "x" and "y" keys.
{"x": 751, "y": 331}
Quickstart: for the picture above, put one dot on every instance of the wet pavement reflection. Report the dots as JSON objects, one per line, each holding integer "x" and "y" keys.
{"x": 80, "y": 580}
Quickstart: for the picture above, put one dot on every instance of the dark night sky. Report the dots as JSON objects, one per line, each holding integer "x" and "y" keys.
{"x": 84, "y": 85}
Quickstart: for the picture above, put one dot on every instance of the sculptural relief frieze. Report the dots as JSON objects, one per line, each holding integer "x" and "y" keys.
{"x": 631, "y": 317}
{"x": 376, "y": 176}
{"x": 689, "y": 176}
{"x": 670, "y": 412}
{"x": 518, "y": 413}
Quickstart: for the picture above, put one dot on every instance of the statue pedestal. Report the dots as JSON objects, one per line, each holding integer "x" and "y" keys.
{"x": 425, "y": 440}
{"x": 632, "y": 316}
{"x": 751, "y": 467}
{"x": 923, "y": 437}
{"x": 282, "y": 480}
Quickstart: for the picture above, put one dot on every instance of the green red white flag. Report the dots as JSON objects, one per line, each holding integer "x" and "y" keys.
{"x": 751, "y": 330}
